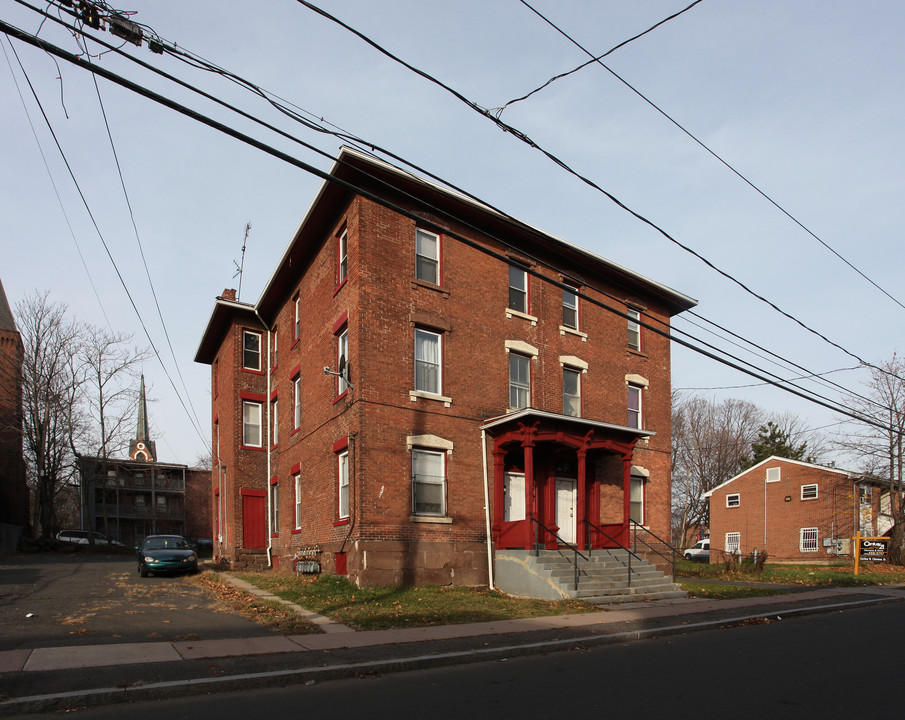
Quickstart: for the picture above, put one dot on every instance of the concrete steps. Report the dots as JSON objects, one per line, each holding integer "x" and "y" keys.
{"x": 603, "y": 576}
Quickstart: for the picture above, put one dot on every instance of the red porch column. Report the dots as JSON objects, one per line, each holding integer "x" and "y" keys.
{"x": 581, "y": 528}
{"x": 530, "y": 505}
{"x": 499, "y": 484}
{"x": 626, "y": 496}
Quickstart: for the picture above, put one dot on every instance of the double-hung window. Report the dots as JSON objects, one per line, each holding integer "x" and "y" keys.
{"x": 427, "y": 256}
{"x": 343, "y": 257}
{"x": 636, "y": 501}
{"x": 296, "y": 402}
{"x": 251, "y": 424}
{"x": 297, "y": 484}
{"x": 571, "y": 392}
{"x": 342, "y": 361}
{"x": 428, "y": 375}
{"x": 251, "y": 350}
{"x": 274, "y": 507}
{"x": 634, "y": 329}
{"x": 296, "y": 319}
{"x": 634, "y": 406}
{"x": 518, "y": 289}
{"x": 808, "y": 539}
{"x": 519, "y": 381}
{"x": 428, "y": 482}
{"x": 274, "y": 354}
{"x": 569, "y": 309}
{"x": 343, "y": 484}
{"x": 275, "y": 422}
{"x": 733, "y": 500}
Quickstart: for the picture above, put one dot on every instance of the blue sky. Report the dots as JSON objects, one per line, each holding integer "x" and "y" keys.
{"x": 804, "y": 99}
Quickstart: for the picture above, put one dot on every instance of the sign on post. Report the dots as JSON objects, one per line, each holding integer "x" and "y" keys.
{"x": 870, "y": 549}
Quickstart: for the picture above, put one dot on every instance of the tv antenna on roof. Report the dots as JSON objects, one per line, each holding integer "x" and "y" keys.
{"x": 240, "y": 267}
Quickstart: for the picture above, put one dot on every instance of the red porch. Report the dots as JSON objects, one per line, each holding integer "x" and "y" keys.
{"x": 560, "y": 480}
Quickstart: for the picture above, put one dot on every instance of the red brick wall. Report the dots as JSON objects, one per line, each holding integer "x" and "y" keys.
{"x": 13, "y": 490}
{"x": 832, "y": 512}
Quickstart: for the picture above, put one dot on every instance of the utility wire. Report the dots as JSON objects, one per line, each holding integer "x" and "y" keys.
{"x": 695, "y": 139}
{"x": 367, "y": 194}
{"x": 527, "y": 140}
{"x": 44, "y": 46}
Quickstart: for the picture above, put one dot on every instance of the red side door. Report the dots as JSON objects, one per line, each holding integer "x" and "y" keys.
{"x": 253, "y": 517}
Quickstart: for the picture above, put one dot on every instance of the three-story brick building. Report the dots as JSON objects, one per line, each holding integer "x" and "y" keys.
{"x": 425, "y": 380}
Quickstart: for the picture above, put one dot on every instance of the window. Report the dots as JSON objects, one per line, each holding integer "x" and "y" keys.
{"x": 636, "y": 500}
{"x": 216, "y": 377}
{"x": 342, "y": 361}
{"x": 514, "y": 502}
{"x": 343, "y": 484}
{"x": 251, "y": 424}
{"x": 427, "y": 256}
{"x": 297, "y": 484}
{"x": 569, "y": 309}
{"x": 733, "y": 542}
{"x": 428, "y": 482}
{"x": 634, "y": 406}
{"x": 571, "y": 392}
{"x": 251, "y": 350}
{"x": 296, "y": 402}
{"x": 274, "y": 414}
{"x": 634, "y": 329}
{"x": 519, "y": 381}
{"x": 809, "y": 492}
{"x": 808, "y": 541}
{"x": 518, "y": 289}
{"x": 274, "y": 355}
{"x": 343, "y": 263}
{"x": 296, "y": 320}
{"x": 733, "y": 500}
{"x": 427, "y": 362}
{"x": 773, "y": 474}
{"x": 274, "y": 507}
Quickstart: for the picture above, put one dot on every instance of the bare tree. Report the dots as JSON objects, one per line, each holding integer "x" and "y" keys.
{"x": 50, "y": 391}
{"x": 879, "y": 450}
{"x": 710, "y": 440}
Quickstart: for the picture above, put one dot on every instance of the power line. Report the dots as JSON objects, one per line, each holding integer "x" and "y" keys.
{"x": 694, "y": 138}
{"x": 173, "y": 105}
{"x": 562, "y": 164}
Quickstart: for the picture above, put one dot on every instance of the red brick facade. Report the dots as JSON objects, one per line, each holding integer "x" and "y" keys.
{"x": 350, "y": 274}
{"x": 14, "y": 502}
{"x": 812, "y": 512}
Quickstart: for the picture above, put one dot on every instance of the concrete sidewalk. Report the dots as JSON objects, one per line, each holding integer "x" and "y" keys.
{"x": 44, "y": 679}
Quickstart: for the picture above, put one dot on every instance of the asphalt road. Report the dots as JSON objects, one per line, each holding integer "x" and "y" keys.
{"x": 86, "y": 598}
{"x": 838, "y": 665}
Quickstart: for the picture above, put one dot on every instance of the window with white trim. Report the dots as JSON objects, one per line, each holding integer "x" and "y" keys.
{"x": 519, "y": 381}
{"x": 636, "y": 500}
{"x": 733, "y": 542}
{"x": 275, "y": 422}
{"x": 297, "y": 319}
{"x": 296, "y": 402}
{"x": 571, "y": 392}
{"x": 733, "y": 500}
{"x": 251, "y": 423}
{"x": 428, "y": 482}
{"x": 634, "y": 406}
{"x": 342, "y": 361}
{"x": 297, "y": 484}
{"x": 343, "y": 257}
{"x": 427, "y": 256}
{"x": 518, "y": 289}
{"x": 569, "y": 309}
{"x": 634, "y": 329}
{"x": 809, "y": 491}
{"x": 251, "y": 350}
{"x": 774, "y": 474}
{"x": 343, "y": 484}
{"x": 428, "y": 368}
{"x": 274, "y": 355}
{"x": 808, "y": 540}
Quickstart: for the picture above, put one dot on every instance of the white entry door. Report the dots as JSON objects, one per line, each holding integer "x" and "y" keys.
{"x": 565, "y": 508}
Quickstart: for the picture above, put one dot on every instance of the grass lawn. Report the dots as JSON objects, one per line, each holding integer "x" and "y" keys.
{"x": 379, "y": 608}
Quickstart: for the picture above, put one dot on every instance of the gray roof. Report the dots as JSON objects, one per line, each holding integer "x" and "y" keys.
{"x": 6, "y": 315}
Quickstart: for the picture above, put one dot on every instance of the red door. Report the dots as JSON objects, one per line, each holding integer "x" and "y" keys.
{"x": 253, "y": 517}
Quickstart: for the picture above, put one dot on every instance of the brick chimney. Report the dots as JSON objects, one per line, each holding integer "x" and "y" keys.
{"x": 229, "y": 294}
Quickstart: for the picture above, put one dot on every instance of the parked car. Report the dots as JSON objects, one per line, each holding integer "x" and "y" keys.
{"x": 165, "y": 554}
{"x": 80, "y": 537}
{"x": 700, "y": 551}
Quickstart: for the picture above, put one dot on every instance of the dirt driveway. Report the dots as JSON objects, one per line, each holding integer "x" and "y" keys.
{"x": 82, "y": 598}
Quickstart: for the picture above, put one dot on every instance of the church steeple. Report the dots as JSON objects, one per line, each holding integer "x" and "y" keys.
{"x": 142, "y": 447}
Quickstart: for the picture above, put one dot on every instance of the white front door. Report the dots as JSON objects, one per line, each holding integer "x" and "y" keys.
{"x": 565, "y": 508}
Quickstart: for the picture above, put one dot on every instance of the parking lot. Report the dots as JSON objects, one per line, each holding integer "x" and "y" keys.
{"x": 89, "y": 598}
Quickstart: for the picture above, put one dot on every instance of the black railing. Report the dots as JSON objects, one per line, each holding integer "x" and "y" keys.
{"x": 629, "y": 552}
{"x": 538, "y": 526}
{"x": 671, "y": 558}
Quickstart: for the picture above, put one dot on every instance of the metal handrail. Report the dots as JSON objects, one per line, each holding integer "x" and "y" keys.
{"x": 630, "y": 552}
{"x": 675, "y": 551}
{"x": 574, "y": 548}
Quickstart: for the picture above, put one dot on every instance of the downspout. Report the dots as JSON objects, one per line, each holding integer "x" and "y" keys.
{"x": 487, "y": 509}
{"x": 268, "y": 447}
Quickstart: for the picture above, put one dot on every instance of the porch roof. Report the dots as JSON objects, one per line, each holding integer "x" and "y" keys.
{"x": 527, "y": 414}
